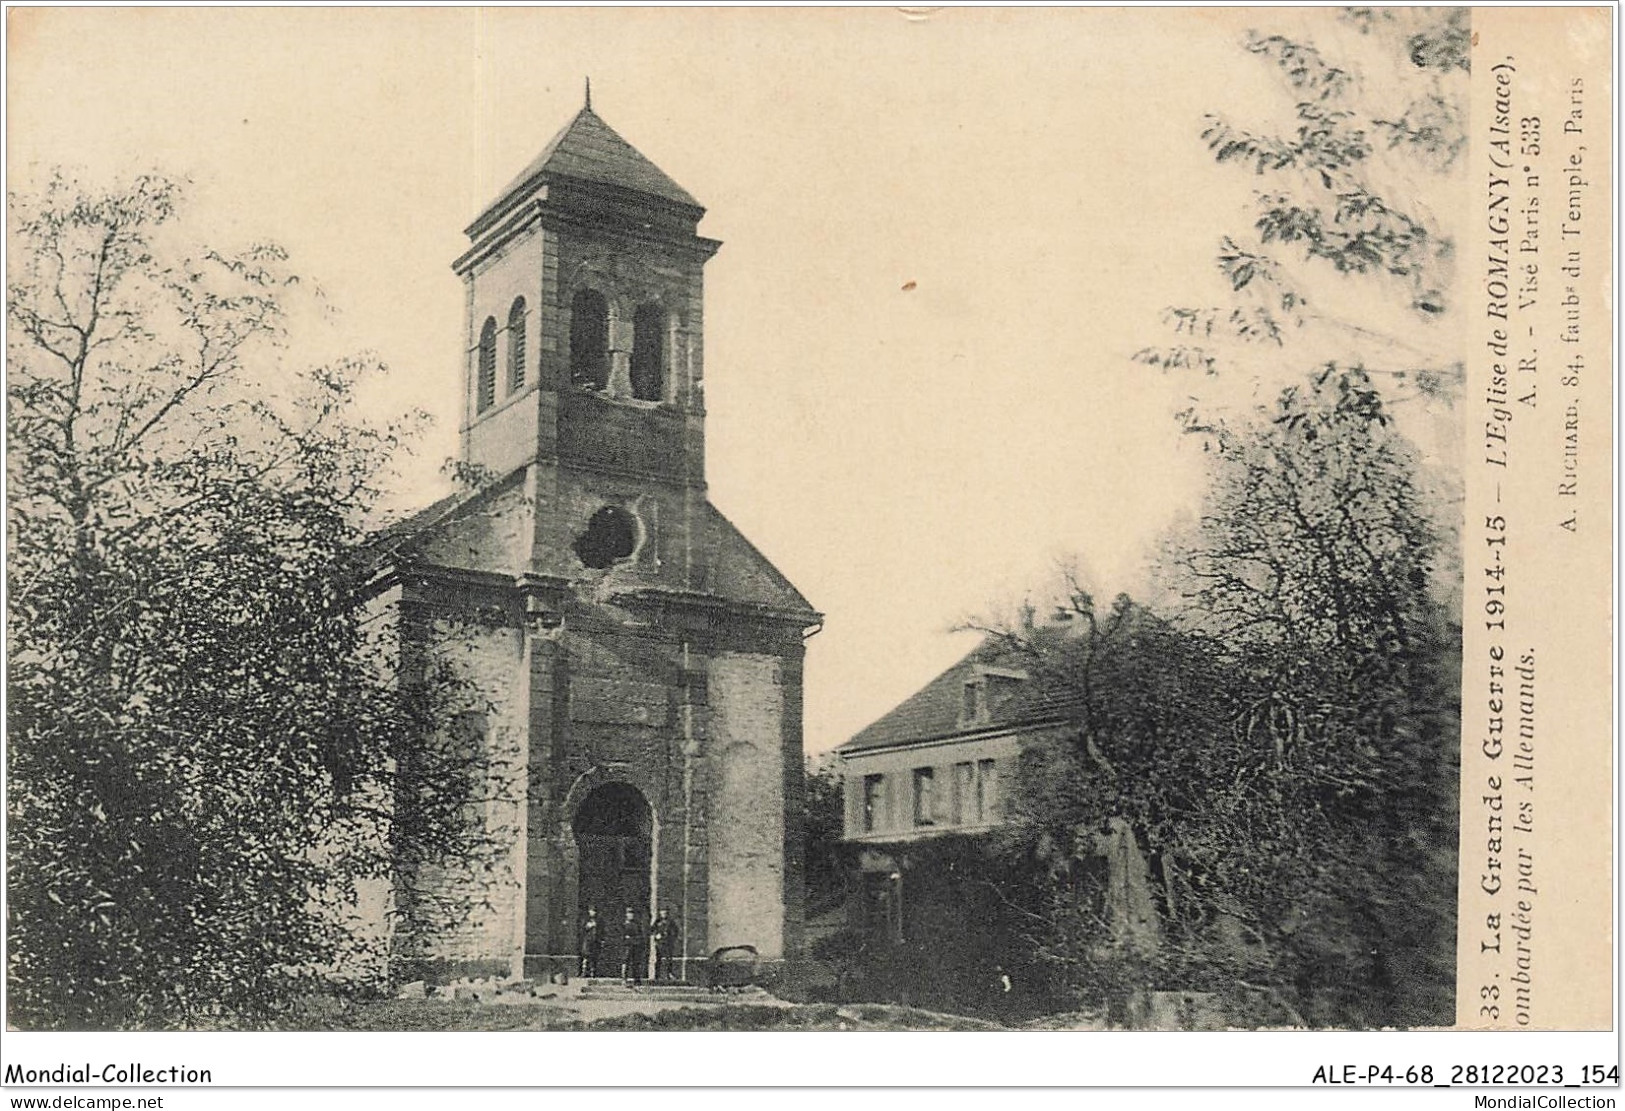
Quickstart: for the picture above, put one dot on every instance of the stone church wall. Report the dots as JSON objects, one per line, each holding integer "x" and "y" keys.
{"x": 618, "y": 437}
{"x": 468, "y": 912}
{"x": 747, "y": 804}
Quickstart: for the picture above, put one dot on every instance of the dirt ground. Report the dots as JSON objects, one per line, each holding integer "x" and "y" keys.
{"x": 573, "y": 1013}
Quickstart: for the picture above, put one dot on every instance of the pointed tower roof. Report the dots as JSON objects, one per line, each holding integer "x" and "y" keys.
{"x": 588, "y": 150}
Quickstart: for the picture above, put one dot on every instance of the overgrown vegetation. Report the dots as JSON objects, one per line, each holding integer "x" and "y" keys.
{"x": 212, "y": 760}
{"x": 1280, "y": 745}
{"x": 1277, "y": 735}
{"x": 1256, "y": 798}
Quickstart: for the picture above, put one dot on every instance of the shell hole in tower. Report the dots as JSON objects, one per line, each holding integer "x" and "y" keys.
{"x": 611, "y": 535}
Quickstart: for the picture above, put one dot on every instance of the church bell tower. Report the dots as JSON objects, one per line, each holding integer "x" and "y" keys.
{"x": 584, "y": 294}
{"x": 634, "y": 664}
{"x": 584, "y": 291}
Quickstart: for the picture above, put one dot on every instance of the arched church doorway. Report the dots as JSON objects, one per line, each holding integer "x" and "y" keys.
{"x": 614, "y": 832}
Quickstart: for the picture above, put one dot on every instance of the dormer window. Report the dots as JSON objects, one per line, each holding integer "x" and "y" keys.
{"x": 485, "y": 385}
{"x": 589, "y": 340}
{"x": 989, "y": 692}
{"x": 649, "y": 353}
{"x": 516, "y": 346}
{"x": 973, "y": 706}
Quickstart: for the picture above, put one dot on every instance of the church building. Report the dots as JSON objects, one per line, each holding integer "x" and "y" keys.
{"x": 636, "y": 662}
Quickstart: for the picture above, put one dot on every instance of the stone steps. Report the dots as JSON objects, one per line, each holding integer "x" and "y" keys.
{"x": 665, "y": 992}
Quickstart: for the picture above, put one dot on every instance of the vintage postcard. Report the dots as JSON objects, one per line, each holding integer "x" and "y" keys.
{"x": 1087, "y": 522}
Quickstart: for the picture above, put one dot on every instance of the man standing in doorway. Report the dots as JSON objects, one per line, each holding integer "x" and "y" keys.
{"x": 635, "y": 954}
{"x": 663, "y": 932}
{"x": 592, "y": 943}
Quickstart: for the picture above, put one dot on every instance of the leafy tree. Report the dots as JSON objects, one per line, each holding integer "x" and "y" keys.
{"x": 1280, "y": 744}
{"x": 1277, "y": 734}
{"x": 1309, "y": 570}
{"x": 823, "y": 827}
{"x": 204, "y": 736}
{"x": 1099, "y": 824}
{"x": 1326, "y": 561}
{"x": 1321, "y": 837}
{"x": 1351, "y": 247}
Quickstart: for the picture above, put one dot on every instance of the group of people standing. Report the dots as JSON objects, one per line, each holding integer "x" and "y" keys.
{"x": 628, "y": 947}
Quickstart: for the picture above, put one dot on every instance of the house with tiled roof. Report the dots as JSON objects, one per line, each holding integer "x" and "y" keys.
{"x": 934, "y": 763}
{"x": 939, "y": 764}
{"x": 633, "y": 662}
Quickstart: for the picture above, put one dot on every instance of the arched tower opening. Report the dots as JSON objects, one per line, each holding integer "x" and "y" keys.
{"x": 649, "y": 353}
{"x": 589, "y": 339}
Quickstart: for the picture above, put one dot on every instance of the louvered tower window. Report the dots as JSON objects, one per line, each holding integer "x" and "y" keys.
{"x": 486, "y": 380}
{"x": 516, "y": 346}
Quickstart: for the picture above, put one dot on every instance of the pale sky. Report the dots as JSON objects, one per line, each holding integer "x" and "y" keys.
{"x": 906, "y": 457}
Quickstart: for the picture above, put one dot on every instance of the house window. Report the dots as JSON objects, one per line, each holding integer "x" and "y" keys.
{"x": 924, "y": 797}
{"x": 964, "y": 794}
{"x": 874, "y": 801}
{"x": 516, "y": 346}
{"x": 486, "y": 373}
{"x": 649, "y": 353}
{"x": 589, "y": 340}
{"x": 987, "y": 785}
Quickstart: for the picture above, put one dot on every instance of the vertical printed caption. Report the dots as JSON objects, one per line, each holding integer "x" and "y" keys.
{"x": 1538, "y": 455}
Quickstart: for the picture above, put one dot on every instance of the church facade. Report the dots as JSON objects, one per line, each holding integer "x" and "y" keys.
{"x": 636, "y": 663}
